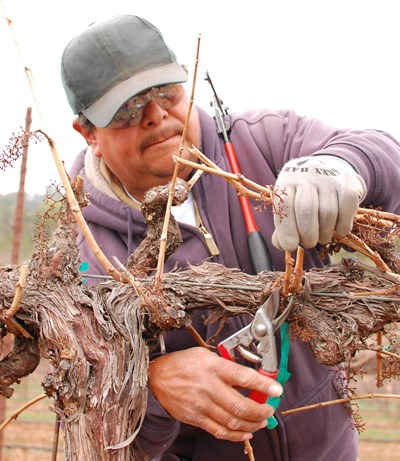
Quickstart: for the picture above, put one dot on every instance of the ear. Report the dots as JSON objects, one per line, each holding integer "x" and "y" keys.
{"x": 89, "y": 135}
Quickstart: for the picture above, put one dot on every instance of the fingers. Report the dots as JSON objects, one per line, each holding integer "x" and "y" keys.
{"x": 348, "y": 209}
{"x": 239, "y": 376}
{"x": 286, "y": 235}
{"x": 231, "y": 415}
{"x": 223, "y": 424}
{"x": 299, "y": 223}
{"x": 306, "y": 209}
{"x": 198, "y": 387}
{"x": 327, "y": 216}
{"x": 317, "y": 195}
{"x": 312, "y": 216}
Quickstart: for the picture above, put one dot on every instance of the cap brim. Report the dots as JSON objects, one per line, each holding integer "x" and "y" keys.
{"x": 101, "y": 112}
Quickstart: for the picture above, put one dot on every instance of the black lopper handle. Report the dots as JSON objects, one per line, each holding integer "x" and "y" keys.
{"x": 259, "y": 253}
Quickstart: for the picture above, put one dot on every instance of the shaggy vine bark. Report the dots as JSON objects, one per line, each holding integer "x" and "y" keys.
{"x": 97, "y": 338}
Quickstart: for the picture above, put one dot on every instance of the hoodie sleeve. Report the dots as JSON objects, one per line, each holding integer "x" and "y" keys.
{"x": 376, "y": 158}
{"x": 157, "y": 433}
{"x": 283, "y": 135}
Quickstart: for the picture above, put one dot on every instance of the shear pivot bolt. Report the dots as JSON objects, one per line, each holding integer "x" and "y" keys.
{"x": 261, "y": 330}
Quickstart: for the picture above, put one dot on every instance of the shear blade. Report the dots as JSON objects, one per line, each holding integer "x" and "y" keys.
{"x": 284, "y": 315}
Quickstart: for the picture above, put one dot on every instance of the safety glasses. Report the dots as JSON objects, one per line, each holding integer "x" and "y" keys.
{"x": 131, "y": 112}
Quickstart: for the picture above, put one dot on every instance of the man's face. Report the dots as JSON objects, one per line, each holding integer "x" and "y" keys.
{"x": 141, "y": 156}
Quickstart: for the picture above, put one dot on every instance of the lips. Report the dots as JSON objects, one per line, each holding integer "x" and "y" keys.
{"x": 161, "y": 140}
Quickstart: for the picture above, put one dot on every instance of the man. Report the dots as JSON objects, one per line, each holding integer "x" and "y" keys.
{"x": 123, "y": 83}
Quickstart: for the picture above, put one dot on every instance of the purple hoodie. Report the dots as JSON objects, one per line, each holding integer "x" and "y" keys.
{"x": 264, "y": 142}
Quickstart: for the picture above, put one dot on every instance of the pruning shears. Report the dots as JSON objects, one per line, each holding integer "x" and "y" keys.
{"x": 259, "y": 253}
{"x": 256, "y": 341}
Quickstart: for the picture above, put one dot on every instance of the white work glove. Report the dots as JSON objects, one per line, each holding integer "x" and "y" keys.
{"x": 320, "y": 195}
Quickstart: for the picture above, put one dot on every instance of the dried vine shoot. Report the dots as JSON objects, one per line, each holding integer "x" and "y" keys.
{"x": 367, "y": 222}
{"x": 160, "y": 262}
{"x": 98, "y": 338}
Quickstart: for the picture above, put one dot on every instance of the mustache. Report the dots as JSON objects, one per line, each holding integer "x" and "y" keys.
{"x": 157, "y": 136}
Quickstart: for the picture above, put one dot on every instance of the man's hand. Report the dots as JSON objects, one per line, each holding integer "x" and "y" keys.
{"x": 320, "y": 195}
{"x": 198, "y": 387}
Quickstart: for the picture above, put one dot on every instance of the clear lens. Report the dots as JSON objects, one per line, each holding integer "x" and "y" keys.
{"x": 131, "y": 112}
{"x": 167, "y": 96}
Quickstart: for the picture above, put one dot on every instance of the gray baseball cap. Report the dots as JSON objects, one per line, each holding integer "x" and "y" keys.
{"x": 113, "y": 60}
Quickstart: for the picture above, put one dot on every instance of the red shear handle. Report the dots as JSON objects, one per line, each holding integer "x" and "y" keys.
{"x": 224, "y": 353}
{"x": 259, "y": 396}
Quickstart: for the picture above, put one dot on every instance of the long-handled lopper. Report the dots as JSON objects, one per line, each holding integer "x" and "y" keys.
{"x": 259, "y": 254}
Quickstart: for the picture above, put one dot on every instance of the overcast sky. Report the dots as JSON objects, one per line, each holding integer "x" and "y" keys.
{"x": 333, "y": 60}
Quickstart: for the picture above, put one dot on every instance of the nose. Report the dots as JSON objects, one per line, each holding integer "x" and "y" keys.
{"x": 153, "y": 114}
